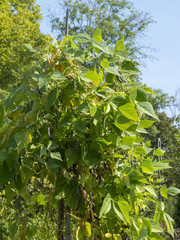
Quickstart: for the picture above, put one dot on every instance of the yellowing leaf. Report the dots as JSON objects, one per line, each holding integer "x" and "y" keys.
{"x": 94, "y": 77}
{"x": 164, "y": 191}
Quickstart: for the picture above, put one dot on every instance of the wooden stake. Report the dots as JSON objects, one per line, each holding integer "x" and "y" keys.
{"x": 67, "y": 22}
{"x": 159, "y": 171}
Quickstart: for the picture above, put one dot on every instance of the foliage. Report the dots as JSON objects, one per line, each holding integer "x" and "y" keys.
{"x": 116, "y": 18}
{"x": 19, "y": 25}
{"x": 167, "y": 129}
{"x": 72, "y": 131}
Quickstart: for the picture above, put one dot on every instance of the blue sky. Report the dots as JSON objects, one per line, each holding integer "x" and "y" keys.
{"x": 164, "y": 36}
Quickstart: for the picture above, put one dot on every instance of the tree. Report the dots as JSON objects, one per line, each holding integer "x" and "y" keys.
{"x": 116, "y": 18}
{"x": 73, "y": 130}
{"x": 19, "y": 25}
{"x": 167, "y": 129}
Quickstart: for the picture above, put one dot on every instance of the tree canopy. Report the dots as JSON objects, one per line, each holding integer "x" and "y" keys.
{"x": 19, "y": 25}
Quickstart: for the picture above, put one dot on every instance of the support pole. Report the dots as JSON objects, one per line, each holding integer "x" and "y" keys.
{"x": 67, "y": 22}
{"x": 159, "y": 171}
{"x": 60, "y": 235}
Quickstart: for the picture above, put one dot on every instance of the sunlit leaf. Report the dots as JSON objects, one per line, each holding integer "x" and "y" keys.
{"x": 120, "y": 45}
{"x": 82, "y": 38}
{"x": 94, "y": 77}
{"x": 147, "y": 108}
{"x": 106, "y": 206}
{"x": 169, "y": 223}
{"x": 164, "y": 191}
{"x": 129, "y": 111}
{"x": 97, "y": 35}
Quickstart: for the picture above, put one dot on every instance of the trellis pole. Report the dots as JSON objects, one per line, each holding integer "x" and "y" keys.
{"x": 159, "y": 171}
{"x": 64, "y": 211}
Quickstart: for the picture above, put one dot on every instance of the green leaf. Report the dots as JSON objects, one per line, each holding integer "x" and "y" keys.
{"x": 155, "y": 236}
{"x": 1, "y": 115}
{"x": 147, "y": 166}
{"x": 160, "y": 165}
{"x": 151, "y": 190}
{"x": 5, "y": 174}
{"x": 71, "y": 157}
{"x": 52, "y": 97}
{"x": 103, "y": 141}
{"x": 136, "y": 175}
{"x": 169, "y": 223}
{"x": 10, "y": 192}
{"x": 52, "y": 146}
{"x": 82, "y": 38}
{"x": 42, "y": 81}
{"x": 128, "y": 140}
{"x": 119, "y": 100}
{"x": 54, "y": 164}
{"x": 112, "y": 70}
{"x": 56, "y": 155}
{"x": 164, "y": 191}
{"x": 124, "y": 207}
{"x": 39, "y": 159}
{"x": 123, "y": 123}
{"x": 13, "y": 159}
{"x": 80, "y": 56}
{"x": 3, "y": 156}
{"x": 118, "y": 212}
{"x": 141, "y": 95}
{"x": 173, "y": 191}
{"x": 93, "y": 110}
{"x": 147, "y": 108}
{"x": 62, "y": 187}
{"x": 43, "y": 150}
{"x": 72, "y": 199}
{"x": 159, "y": 152}
{"x": 120, "y": 45}
{"x": 129, "y": 66}
{"x": 29, "y": 47}
{"x": 80, "y": 126}
{"x": 56, "y": 75}
{"x": 97, "y": 35}
{"x": 155, "y": 227}
{"x": 104, "y": 63}
{"x": 106, "y": 206}
{"x": 13, "y": 227}
{"x": 83, "y": 107}
{"x": 140, "y": 150}
{"x": 129, "y": 111}
{"x": 102, "y": 46}
{"x": 21, "y": 138}
{"x": 146, "y": 123}
{"x": 94, "y": 77}
{"x": 147, "y": 223}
